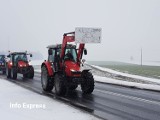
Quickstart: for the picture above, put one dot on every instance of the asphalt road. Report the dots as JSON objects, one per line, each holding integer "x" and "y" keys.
{"x": 107, "y": 101}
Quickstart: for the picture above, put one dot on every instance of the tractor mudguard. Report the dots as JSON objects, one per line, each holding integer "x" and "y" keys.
{"x": 85, "y": 71}
{"x": 49, "y": 67}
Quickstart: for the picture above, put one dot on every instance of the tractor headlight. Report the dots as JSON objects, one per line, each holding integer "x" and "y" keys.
{"x": 75, "y": 73}
{"x": 72, "y": 70}
{"x": 20, "y": 65}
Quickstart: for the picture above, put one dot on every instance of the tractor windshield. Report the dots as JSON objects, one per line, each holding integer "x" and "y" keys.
{"x": 71, "y": 54}
{"x": 22, "y": 57}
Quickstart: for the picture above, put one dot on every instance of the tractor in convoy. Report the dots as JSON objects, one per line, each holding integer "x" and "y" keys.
{"x": 63, "y": 69}
{"x": 2, "y": 64}
{"x": 18, "y": 63}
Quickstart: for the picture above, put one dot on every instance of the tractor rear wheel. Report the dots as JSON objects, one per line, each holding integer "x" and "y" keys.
{"x": 88, "y": 85}
{"x": 13, "y": 73}
{"x": 47, "y": 83}
{"x": 60, "y": 87}
{"x": 8, "y": 72}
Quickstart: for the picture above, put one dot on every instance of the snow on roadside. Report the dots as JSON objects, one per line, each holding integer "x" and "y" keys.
{"x": 38, "y": 70}
{"x": 15, "y": 99}
{"x": 36, "y": 62}
{"x": 125, "y": 83}
{"x": 127, "y": 75}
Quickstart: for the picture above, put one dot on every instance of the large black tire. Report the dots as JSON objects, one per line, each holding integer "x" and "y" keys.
{"x": 59, "y": 83}
{"x": 13, "y": 73}
{"x": 31, "y": 72}
{"x": 8, "y": 72}
{"x": 47, "y": 83}
{"x": 88, "y": 85}
{"x": 73, "y": 87}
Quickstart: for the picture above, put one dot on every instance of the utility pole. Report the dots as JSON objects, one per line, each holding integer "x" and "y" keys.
{"x": 141, "y": 56}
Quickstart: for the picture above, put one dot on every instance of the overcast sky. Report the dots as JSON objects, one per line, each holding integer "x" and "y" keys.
{"x": 127, "y": 26}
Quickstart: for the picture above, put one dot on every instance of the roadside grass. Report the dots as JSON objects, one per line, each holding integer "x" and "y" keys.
{"x": 144, "y": 70}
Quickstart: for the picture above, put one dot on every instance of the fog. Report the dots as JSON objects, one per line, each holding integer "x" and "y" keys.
{"x": 127, "y": 26}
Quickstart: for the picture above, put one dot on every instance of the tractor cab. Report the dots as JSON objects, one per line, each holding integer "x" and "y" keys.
{"x": 19, "y": 59}
{"x": 19, "y": 63}
{"x": 54, "y": 52}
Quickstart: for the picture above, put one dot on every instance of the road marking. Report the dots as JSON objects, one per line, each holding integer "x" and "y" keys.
{"x": 129, "y": 97}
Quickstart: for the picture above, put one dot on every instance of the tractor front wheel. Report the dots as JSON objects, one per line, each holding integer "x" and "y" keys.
{"x": 8, "y": 72}
{"x": 60, "y": 87}
{"x": 47, "y": 83}
{"x": 31, "y": 72}
{"x": 13, "y": 73}
{"x": 88, "y": 85}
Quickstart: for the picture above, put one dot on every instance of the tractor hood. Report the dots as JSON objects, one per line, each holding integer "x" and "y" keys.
{"x": 23, "y": 64}
{"x": 71, "y": 68}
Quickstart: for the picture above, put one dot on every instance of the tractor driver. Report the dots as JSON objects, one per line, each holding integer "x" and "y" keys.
{"x": 69, "y": 55}
{"x": 24, "y": 57}
{"x": 18, "y": 58}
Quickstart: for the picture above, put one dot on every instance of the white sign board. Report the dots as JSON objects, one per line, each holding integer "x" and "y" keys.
{"x": 87, "y": 35}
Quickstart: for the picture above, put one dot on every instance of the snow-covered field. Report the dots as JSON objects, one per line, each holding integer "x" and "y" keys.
{"x": 17, "y": 103}
{"x": 126, "y": 74}
{"x": 150, "y": 63}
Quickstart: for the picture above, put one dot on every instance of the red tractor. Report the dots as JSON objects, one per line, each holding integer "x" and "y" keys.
{"x": 18, "y": 63}
{"x": 63, "y": 68}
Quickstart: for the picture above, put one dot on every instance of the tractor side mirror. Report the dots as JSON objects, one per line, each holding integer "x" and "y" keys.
{"x": 50, "y": 52}
{"x": 85, "y": 51}
{"x": 30, "y": 55}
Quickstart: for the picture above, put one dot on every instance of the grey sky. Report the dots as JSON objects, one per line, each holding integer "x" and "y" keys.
{"x": 127, "y": 25}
